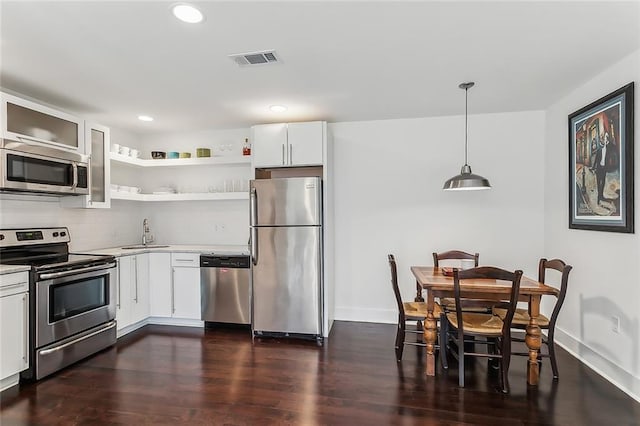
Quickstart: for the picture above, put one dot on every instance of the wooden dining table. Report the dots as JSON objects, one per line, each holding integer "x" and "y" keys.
{"x": 437, "y": 284}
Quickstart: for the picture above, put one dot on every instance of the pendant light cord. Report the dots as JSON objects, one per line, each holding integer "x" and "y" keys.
{"x": 466, "y": 125}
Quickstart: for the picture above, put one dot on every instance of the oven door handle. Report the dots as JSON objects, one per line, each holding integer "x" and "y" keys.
{"x": 77, "y": 271}
{"x": 79, "y": 339}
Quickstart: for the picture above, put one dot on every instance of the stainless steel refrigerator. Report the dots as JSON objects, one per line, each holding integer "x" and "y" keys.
{"x": 286, "y": 252}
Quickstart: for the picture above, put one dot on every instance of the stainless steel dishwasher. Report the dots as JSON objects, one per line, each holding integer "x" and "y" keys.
{"x": 225, "y": 288}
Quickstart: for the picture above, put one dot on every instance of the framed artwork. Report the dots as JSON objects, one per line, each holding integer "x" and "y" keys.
{"x": 601, "y": 164}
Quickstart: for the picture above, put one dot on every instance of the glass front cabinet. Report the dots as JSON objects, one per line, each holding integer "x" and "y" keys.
{"x": 30, "y": 122}
{"x": 97, "y": 147}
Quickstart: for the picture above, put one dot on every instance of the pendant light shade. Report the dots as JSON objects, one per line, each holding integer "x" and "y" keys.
{"x": 466, "y": 180}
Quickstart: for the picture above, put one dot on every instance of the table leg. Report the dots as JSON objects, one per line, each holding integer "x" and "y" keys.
{"x": 533, "y": 340}
{"x": 430, "y": 335}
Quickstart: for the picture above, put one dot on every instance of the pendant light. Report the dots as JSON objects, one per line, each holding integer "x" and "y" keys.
{"x": 466, "y": 181}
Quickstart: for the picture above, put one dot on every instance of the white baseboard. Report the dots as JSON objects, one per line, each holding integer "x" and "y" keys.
{"x": 386, "y": 316}
{"x": 613, "y": 373}
{"x": 10, "y": 381}
{"x": 133, "y": 327}
{"x": 181, "y": 322}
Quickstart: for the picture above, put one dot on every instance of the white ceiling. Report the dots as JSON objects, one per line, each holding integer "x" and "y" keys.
{"x": 342, "y": 61}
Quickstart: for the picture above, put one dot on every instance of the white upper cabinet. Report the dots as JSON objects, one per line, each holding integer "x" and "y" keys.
{"x": 305, "y": 143}
{"x": 288, "y": 145}
{"x": 97, "y": 147}
{"x": 269, "y": 145}
{"x": 30, "y": 122}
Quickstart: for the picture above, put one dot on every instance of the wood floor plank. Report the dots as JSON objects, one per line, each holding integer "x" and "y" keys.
{"x": 162, "y": 375}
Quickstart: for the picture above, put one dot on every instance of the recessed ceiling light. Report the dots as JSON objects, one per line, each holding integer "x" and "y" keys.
{"x": 187, "y": 13}
{"x": 278, "y": 108}
{"x": 145, "y": 118}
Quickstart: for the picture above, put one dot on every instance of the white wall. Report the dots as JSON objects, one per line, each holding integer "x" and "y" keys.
{"x": 605, "y": 280}
{"x": 389, "y": 199}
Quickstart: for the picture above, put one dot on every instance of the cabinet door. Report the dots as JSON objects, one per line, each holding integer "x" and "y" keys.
{"x": 186, "y": 293}
{"x": 140, "y": 288}
{"x": 97, "y": 147}
{"x": 269, "y": 145}
{"x": 305, "y": 143}
{"x": 125, "y": 282}
{"x": 99, "y": 142}
{"x": 29, "y": 120}
{"x": 160, "y": 284}
{"x": 14, "y": 344}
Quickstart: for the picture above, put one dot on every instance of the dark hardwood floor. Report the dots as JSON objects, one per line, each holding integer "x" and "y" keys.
{"x": 174, "y": 375}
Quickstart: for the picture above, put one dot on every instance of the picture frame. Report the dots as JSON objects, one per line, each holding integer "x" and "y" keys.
{"x": 601, "y": 165}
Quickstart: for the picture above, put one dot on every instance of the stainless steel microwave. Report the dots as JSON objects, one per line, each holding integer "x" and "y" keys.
{"x": 37, "y": 168}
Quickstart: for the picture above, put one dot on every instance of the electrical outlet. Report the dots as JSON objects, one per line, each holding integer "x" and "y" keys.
{"x": 615, "y": 324}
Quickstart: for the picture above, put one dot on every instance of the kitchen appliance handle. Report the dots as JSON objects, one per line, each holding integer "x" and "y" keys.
{"x": 283, "y": 154}
{"x": 290, "y": 154}
{"x": 254, "y": 245}
{"x": 253, "y": 208}
{"x": 26, "y": 326}
{"x": 135, "y": 262}
{"x": 77, "y": 271}
{"x": 79, "y": 339}
{"x": 75, "y": 175}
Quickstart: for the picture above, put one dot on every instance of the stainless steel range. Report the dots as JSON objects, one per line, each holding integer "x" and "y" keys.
{"x": 72, "y": 297}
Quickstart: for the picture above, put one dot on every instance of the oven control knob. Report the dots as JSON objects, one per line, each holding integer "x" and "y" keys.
{"x": 63, "y": 234}
{"x": 1, "y": 237}
{"x": 55, "y": 234}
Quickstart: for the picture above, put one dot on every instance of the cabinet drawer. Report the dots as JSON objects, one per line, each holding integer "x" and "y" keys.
{"x": 185, "y": 259}
{"x": 14, "y": 283}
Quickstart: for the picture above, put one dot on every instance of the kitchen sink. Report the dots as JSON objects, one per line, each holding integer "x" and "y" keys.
{"x": 141, "y": 246}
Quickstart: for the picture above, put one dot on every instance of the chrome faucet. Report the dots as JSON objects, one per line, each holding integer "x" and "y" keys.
{"x": 146, "y": 238}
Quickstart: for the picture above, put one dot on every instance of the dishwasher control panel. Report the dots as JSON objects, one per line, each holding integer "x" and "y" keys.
{"x": 224, "y": 261}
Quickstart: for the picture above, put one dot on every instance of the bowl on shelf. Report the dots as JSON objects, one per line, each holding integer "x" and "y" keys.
{"x": 173, "y": 154}
{"x": 203, "y": 152}
{"x": 185, "y": 155}
{"x": 158, "y": 155}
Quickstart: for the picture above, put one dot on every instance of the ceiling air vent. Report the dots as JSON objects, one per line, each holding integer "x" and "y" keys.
{"x": 256, "y": 58}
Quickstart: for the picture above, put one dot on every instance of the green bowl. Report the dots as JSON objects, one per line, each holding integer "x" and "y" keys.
{"x": 203, "y": 152}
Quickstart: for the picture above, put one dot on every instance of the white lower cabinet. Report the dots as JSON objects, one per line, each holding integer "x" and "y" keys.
{"x": 175, "y": 286}
{"x": 185, "y": 271}
{"x": 14, "y": 327}
{"x": 160, "y": 284}
{"x": 133, "y": 290}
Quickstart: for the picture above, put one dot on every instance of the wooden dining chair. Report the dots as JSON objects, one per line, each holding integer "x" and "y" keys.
{"x": 411, "y": 311}
{"x": 448, "y": 303}
{"x": 463, "y": 323}
{"x": 521, "y": 317}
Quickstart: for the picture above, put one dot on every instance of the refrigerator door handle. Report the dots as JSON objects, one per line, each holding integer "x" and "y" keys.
{"x": 254, "y": 245}
{"x": 253, "y": 208}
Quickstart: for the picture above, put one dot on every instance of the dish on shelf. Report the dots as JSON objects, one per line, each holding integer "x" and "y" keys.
{"x": 185, "y": 155}
{"x": 173, "y": 154}
{"x": 203, "y": 152}
{"x": 158, "y": 155}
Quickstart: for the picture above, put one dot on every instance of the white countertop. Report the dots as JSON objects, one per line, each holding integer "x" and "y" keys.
{"x": 8, "y": 269}
{"x": 218, "y": 249}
